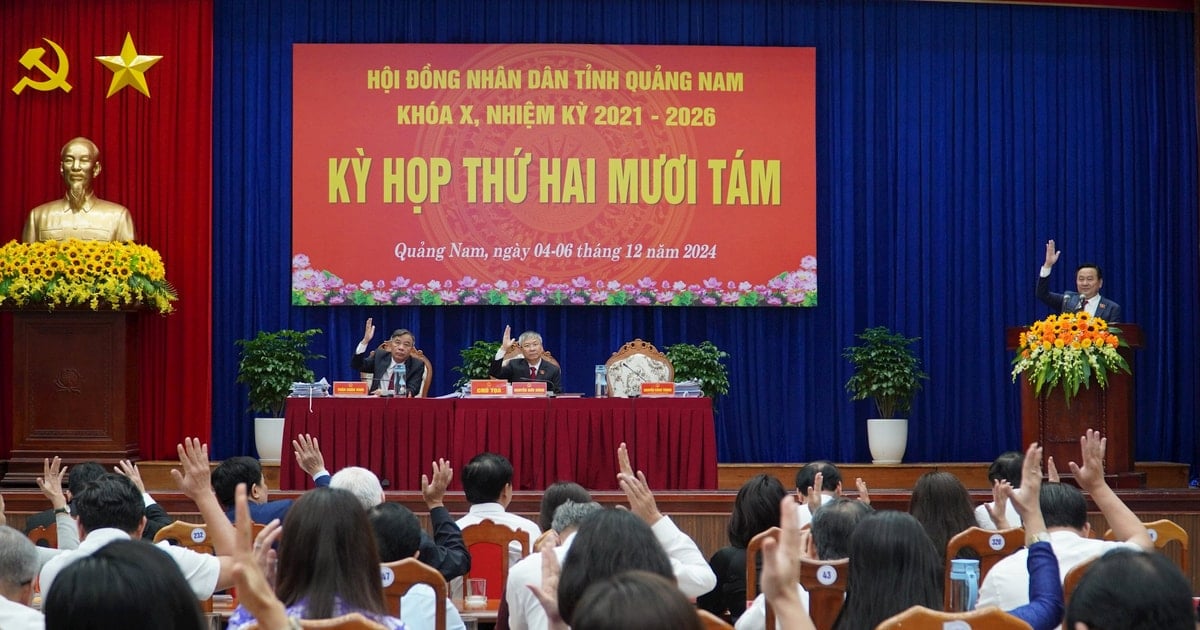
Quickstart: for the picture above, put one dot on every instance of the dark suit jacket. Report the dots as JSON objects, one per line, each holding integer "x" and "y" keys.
{"x": 156, "y": 519}
{"x": 1069, "y": 301}
{"x": 263, "y": 513}
{"x": 518, "y": 370}
{"x": 378, "y": 362}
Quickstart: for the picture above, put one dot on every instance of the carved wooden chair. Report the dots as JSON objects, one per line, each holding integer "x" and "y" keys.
{"x": 489, "y": 542}
{"x": 992, "y": 547}
{"x": 922, "y": 618}
{"x": 399, "y": 576}
{"x": 44, "y": 535}
{"x": 1162, "y": 532}
{"x": 635, "y": 363}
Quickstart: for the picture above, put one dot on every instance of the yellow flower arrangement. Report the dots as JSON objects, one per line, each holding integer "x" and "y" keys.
{"x": 1069, "y": 350}
{"x": 93, "y": 274}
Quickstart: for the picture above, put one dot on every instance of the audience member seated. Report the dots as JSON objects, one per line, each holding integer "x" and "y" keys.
{"x": 1004, "y": 469}
{"x": 1065, "y": 512}
{"x": 555, "y": 495}
{"x": 530, "y": 366}
{"x": 124, "y": 585}
{"x": 398, "y": 534}
{"x": 487, "y": 483}
{"x": 1045, "y": 608}
{"x": 382, "y": 362}
{"x": 634, "y": 600}
{"x": 893, "y": 566}
{"x": 110, "y": 508}
{"x": 525, "y": 612}
{"x": 156, "y": 517}
{"x": 80, "y": 475}
{"x": 65, "y": 527}
{"x": 1127, "y": 589}
{"x": 830, "y": 487}
{"x": 781, "y": 571}
{"x": 942, "y": 505}
{"x": 241, "y": 469}
{"x": 18, "y": 566}
{"x": 755, "y": 510}
{"x": 328, "y": 562}
{"x": 832, "y": 526}
{"x": 445, "y": 551}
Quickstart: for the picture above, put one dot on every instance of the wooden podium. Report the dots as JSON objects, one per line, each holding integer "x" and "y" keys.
{"x": 1057, "y": 426}
{"x": 74, "y": 390}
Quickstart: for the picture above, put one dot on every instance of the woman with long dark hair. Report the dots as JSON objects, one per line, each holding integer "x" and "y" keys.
{"x": 893, "y": 566}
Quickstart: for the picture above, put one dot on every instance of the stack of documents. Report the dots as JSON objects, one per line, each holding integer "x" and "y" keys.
{"x": 318, "y": 389}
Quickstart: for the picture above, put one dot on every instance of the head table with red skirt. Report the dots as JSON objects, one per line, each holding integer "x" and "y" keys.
{"x": 672, "y": 440}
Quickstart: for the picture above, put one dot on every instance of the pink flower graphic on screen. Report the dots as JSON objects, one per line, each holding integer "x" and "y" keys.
{"x": 537, "y": 300}
{"x": 643, "y": 300}
{"x": 467, "y": 282}
{"x": 774, "y": 301}
{"x": 535, "y": 282}
{"x": 613, "y": 285}
{"x": 808, "y": 263}
{"x": 730, "y": 297}
{"x": 599, "y": 297}
{"x": 744, "y": 286}
{"x": 516, "y": 297}
{"x": 581, "y": 283}
{"x": 435, "y": 285}
{"x": 665, "y": 297}
{"x": 300, "y": 261}
{"x": 471, "y": 299}
{"x": 708, "y": 300}
{"x": 712, "y": 284}
{"x": 502, "y": 285}
{"x": 337, "y": 299}
{"x": 646, "y": 283}
{"x": 578, "y": 300}
{"x": 448, "y": 297}
{"x": 400, "y": 282}
{"x": 679, "y": 285}
{"x": 381, "y": 296}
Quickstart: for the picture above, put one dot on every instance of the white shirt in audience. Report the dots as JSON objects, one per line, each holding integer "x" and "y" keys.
{"x": 15, "y": 616}
{"x": 497, "y": 514}
{"x": 200, "y": 570}
{"x": 985, "y": 520}
{"x": 417, "y": 610}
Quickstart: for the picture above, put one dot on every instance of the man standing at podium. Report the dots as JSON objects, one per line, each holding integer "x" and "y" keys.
{"x": 1088, "y": 280}
{"x": 80, "y": 214}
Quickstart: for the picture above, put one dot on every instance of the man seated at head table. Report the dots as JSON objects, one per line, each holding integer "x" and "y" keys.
{"x": 528, "y": 367}
{"x": 384, "y": 364}
{"x": 80, "y": 214}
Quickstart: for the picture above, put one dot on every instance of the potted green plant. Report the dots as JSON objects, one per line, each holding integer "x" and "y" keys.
{"x": 475, "y": 361}
{"x": 701, "y": 363}
{"x": 270, "y": 363}
{"x": 888, "y": 372}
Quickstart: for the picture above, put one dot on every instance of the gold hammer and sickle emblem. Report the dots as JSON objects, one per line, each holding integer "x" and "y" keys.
{"x": 54, "y": 80}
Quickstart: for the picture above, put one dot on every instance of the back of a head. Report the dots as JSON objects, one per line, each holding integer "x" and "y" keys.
{"x": 229, "y": 473}
{"x": 893, "y": 566}
{"x": 570, "y": 514}
{"x": 327, "y": 551}
{"x": 609, "y": 542}
{"x": 18, "y": 559}
{"x": 110, "y": 500}
{"x": 80, "y": 475}
{"x": 834, "y": 523}
{"x": 485, "y": 476}
{"x": 1128, "y": 589}
{"x": 831, "y": 476}
{"x": 360, "y": 482}
{"x": 397, "y": 531}
{"x": 635, "y": 600}
{"x": 554, "y": 496}
{"x": 1007, "y": 467}
{"x": 755, "y": 509}
{"x": 125, "y": 585}
{"x": 1063, "y": 505}
{"x": 941, "y": 503}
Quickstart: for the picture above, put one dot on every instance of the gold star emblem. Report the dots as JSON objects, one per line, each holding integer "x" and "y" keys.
{"x": 129, "y": 68}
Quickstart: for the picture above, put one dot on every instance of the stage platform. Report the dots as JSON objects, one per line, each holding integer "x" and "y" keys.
{"x": 704, "y": 514}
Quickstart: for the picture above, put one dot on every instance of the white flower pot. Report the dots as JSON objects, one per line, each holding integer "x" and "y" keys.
{"x": 887, "y": 438}
{"x": 268, "y": 439}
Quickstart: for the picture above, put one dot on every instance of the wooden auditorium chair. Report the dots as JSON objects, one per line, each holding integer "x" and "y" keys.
{"x": 45, "y": 535}
{"x": 709, "y": 621}
{"x": 401, "y": 575}
{"x": 635, "y": 363}
{"x": 992, "y": 547}
{"x": 1162, "y": 532}
{"x": 488, "y": 543}
{"x": 194, "y": 536}
{"x": 922, "y": 618}
{"x": 1071, "y": 579}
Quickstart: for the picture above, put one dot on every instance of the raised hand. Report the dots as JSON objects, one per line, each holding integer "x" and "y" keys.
{"x": 435, "y": 491}
{"x": 1051, "y": 254}
{"x": 1091, "y": 474}
{"x": 196, "y": 479}
{"x": 308, "y": 453}
{"x": 368, "y": 332}
{"x": 51, "y": 482}
{"x": 506, "y": 341}
{"x": 128, "y": 469}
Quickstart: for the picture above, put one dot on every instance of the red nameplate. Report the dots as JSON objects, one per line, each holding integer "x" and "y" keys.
{"x": 485, "y": 387}
{"x": 529, "y": 388}
{"x": 349, "y": 388}
{"x": 658, "y": 389}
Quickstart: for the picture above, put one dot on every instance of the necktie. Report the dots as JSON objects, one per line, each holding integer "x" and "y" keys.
{"x": 532, "y": 372}
{"x": 394, "y": 379}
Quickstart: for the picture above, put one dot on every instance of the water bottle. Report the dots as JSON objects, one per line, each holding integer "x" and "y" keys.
{"x": 401, "y": 380}
{"x": 601, "y": 381}
{"x": 964, "y": 584}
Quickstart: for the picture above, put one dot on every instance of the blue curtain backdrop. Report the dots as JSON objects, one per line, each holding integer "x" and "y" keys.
{"x": 953, "y": 141}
